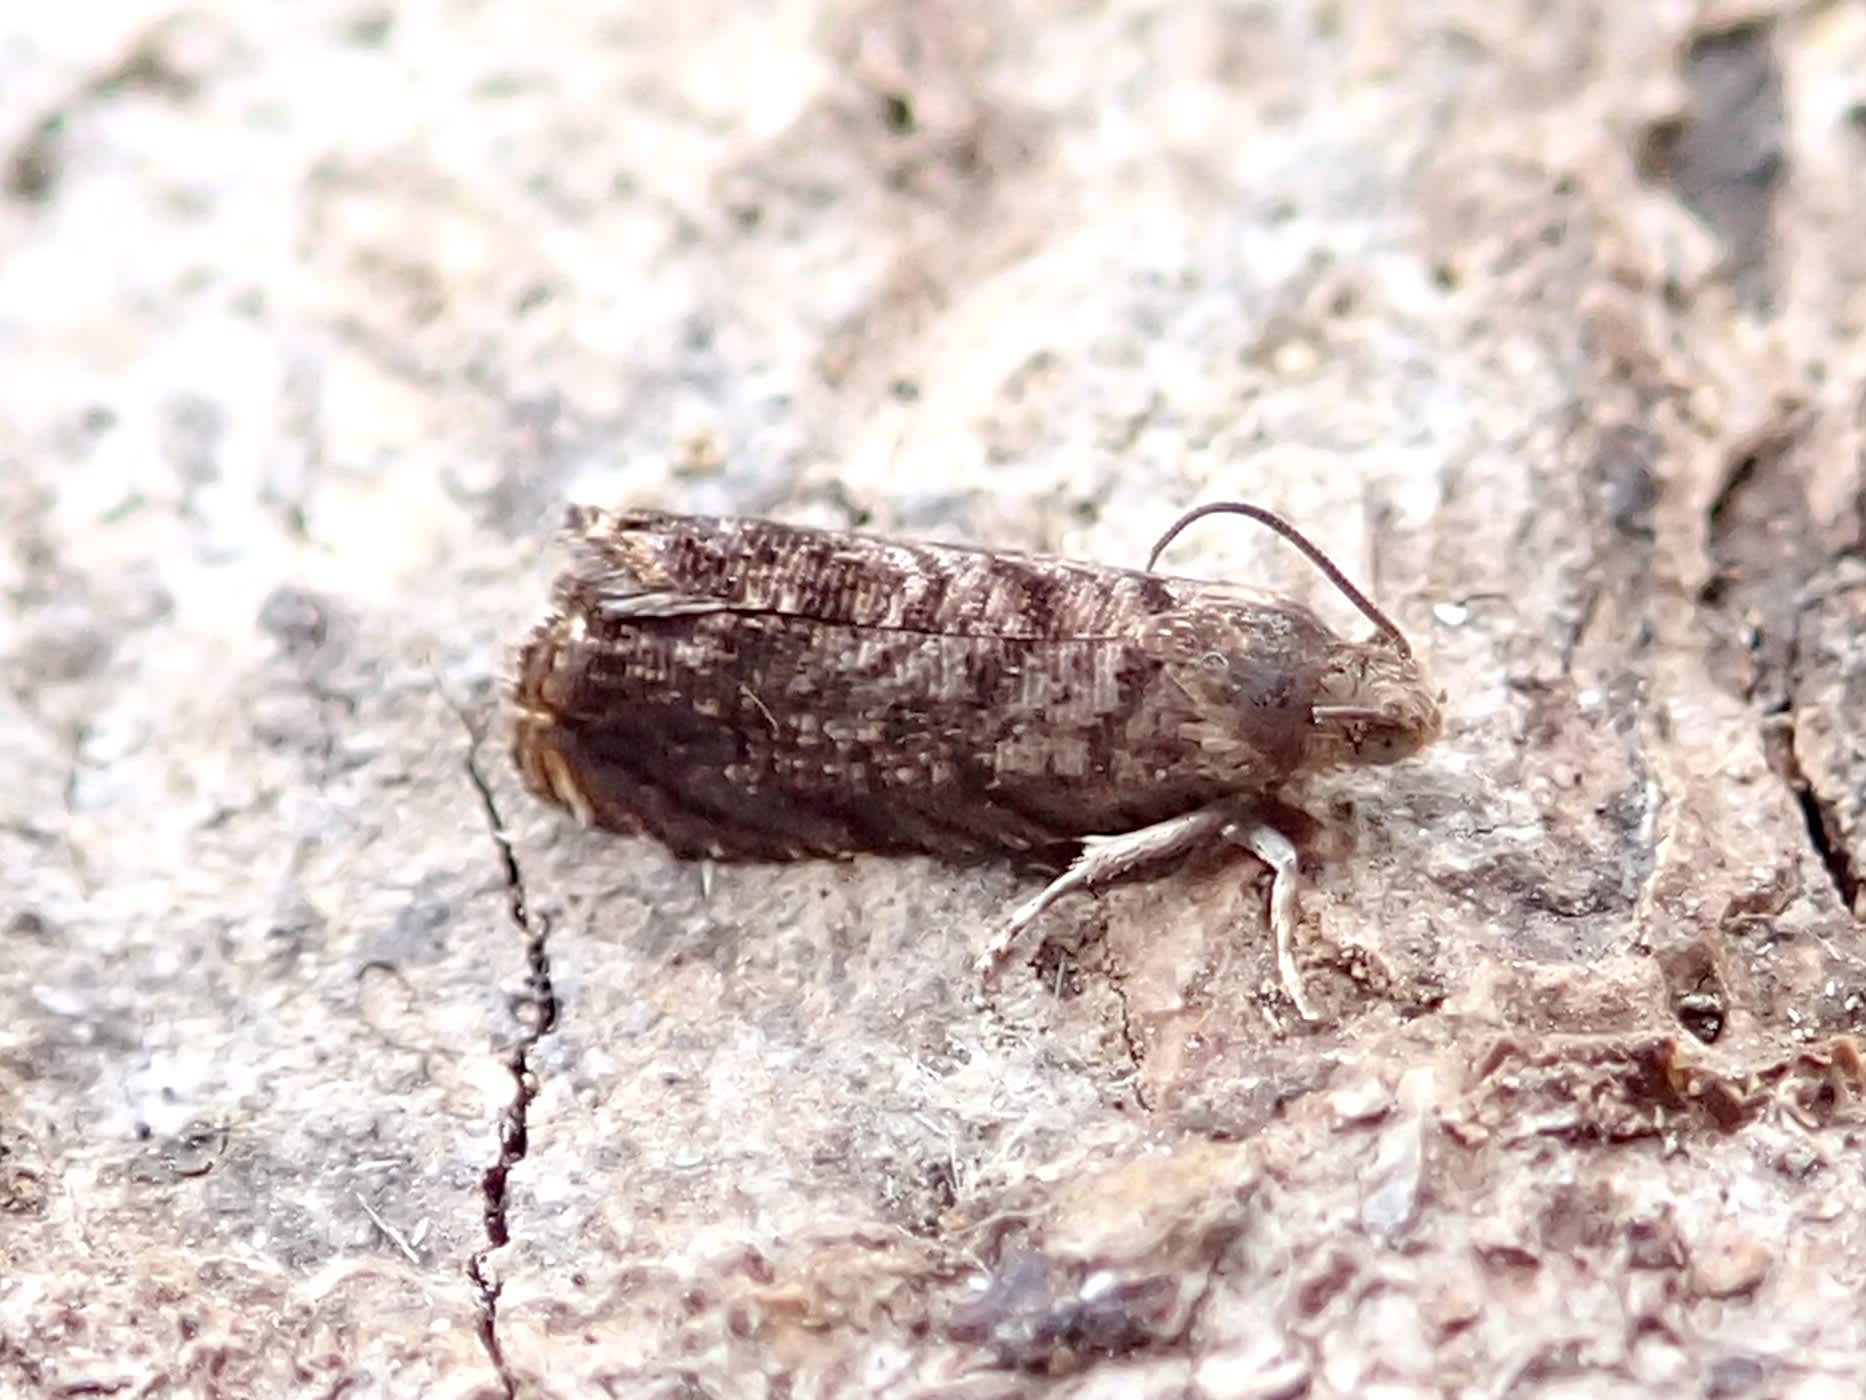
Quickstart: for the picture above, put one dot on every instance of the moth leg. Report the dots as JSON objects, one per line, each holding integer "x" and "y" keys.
{"x": 1106, "y": 858}
{"x": 1275, "y": 850}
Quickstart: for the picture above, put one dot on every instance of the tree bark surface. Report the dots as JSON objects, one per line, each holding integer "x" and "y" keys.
{"x": 332, "y": 1062}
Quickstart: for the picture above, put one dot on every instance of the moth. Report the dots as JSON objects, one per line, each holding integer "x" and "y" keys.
{"x": 743, "y": 690}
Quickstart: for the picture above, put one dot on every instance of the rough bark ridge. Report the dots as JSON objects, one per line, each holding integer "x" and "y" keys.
{"x": 332, "y": 1063}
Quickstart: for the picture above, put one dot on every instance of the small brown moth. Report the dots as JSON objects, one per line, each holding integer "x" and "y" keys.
{"x": 745, "y": 690}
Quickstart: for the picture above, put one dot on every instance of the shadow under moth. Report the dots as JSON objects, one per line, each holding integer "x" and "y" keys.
{"x": 744, "y": 690}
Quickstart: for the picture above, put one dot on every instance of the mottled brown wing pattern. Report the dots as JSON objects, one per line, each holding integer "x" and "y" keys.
{"x": 826, "y": 740}
{"x": 861, "y": 580}
{"x": 747, "y": 690}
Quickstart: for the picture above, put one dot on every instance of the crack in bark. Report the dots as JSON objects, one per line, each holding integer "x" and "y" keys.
{"x": 536, "y": 1011}
{"x": 1822, "y": 822}
{"x": 1136, "y": 1056}
{"x": 1820, "y": 815}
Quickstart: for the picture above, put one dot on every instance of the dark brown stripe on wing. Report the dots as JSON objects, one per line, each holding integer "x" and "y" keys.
{"x": 701, "y": 818}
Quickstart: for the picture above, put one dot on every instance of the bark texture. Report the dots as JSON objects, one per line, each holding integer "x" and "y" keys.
{"x": 331, "y": 1062}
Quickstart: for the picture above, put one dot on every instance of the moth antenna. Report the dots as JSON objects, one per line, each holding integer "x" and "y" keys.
{"x": 1314, "y": 554}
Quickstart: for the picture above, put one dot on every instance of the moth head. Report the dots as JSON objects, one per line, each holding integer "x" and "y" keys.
{"x": 1314, "y": 701}
{"x": 1372, "y": 704}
